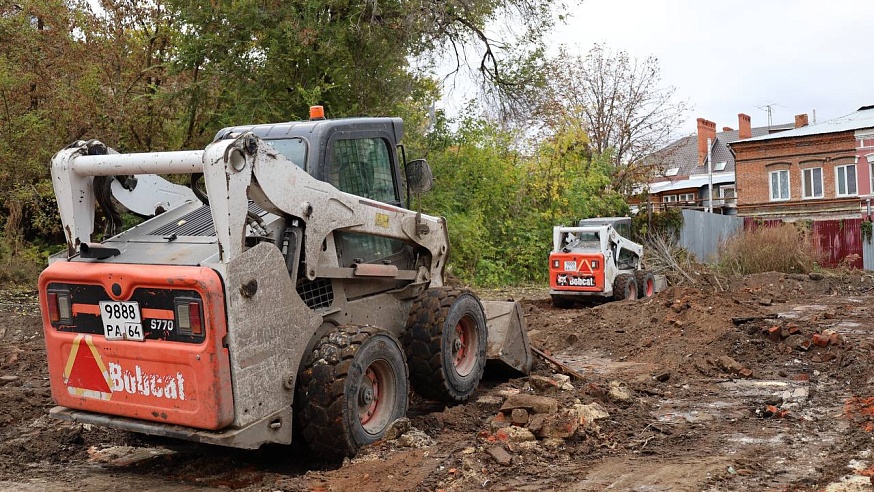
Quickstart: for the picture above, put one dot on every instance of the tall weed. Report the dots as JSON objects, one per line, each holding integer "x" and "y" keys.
{"x": 783, "y": 248}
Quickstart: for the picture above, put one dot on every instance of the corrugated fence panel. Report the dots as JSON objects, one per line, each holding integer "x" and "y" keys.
{"x": 868, "y": 255}
{"x": 702, "y": 232}
{"x": 840, "y": 241}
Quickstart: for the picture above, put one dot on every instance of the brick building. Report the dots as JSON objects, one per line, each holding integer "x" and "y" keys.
{"x": 682, "y": 176}
{"x": 818, "y": 171}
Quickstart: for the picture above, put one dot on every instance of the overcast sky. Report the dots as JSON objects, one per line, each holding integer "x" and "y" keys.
{"x": 739, "y": 56}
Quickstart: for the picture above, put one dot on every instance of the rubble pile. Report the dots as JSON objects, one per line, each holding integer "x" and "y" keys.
{"x": 792, "y": 338}
{"x": 528, "y": 418}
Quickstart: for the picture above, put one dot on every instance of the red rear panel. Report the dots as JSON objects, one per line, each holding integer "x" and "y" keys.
{"x": 576, "y": 272}
{"x": 166, "y": 363}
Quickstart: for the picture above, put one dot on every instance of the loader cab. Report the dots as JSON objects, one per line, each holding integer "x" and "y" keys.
{"x": 359, "y": 156}
{"x": 356, "y": 155}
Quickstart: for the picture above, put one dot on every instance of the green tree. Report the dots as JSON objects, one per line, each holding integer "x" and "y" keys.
{"x": 501, "y": 204}
{"x": 251, "y": 61}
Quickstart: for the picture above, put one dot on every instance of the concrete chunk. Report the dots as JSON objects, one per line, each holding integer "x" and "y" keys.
{"x": 588, "y": 414}
{"x": 532, "y": 403}
{"x": 561, "y": 425}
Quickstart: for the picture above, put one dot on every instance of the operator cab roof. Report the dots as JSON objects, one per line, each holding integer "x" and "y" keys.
{"x": 596, "y": 221}
{"x": 313, "y": 128}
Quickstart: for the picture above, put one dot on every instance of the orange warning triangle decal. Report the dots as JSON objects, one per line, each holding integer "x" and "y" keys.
{"x": 85, "y": 374}
{"x": 585, "y": 267}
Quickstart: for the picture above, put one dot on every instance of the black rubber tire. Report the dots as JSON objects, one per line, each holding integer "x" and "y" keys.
{"x": 624, "y": 287}
{"x": 562, "y": 303}
{"x": 445, "y": 342}
{"x": 336, "y": 416}
{"x": 645, "y": 284}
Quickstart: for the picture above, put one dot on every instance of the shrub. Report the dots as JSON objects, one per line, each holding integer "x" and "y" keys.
{"x": 784, "y": 248}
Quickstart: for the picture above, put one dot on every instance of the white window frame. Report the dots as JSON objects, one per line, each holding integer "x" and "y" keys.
{"x": 669, "y": 198}
{"x": 844, "y": 181}
{"x": 870, "y": 159}
{"x": 811, "y": 194}
{"x": 723, "y": 189}
{"x": 771, "y": 190}
{"x": 686, "y": 197}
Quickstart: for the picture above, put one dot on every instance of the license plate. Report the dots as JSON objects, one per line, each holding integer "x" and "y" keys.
{"x": 570, "y": 266}
{"x": 121, "y": 320}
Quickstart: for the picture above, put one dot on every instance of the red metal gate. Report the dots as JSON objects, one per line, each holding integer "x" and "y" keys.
{"x": 840, "y": 241}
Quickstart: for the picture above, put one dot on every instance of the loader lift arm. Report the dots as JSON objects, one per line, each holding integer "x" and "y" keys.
{"x": 235, "y": 170}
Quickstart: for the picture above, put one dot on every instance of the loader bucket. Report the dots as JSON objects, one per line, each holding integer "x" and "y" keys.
{"x": 508, "y": 337}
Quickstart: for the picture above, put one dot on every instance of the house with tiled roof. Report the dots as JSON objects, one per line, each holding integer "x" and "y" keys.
{"x": 819, "y": 172}
{"x": 682, "y": 175}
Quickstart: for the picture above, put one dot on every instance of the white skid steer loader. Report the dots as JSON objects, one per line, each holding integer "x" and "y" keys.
{"x": 288, "y": 283}
{"x": 595, "y": 261}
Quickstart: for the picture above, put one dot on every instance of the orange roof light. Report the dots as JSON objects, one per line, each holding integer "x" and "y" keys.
{"x": 317, "y": 112}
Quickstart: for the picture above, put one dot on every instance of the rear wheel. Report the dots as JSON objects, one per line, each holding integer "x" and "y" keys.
{"x": 445, "y": 343}
{"x": 645, "y": 284}
{"x": 624, "y": 287}
{"x": 354, "y": 385}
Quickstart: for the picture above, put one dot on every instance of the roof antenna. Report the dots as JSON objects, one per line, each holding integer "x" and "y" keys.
{"x": 770, "y": 109}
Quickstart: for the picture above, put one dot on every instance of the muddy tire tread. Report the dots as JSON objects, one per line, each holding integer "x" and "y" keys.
{"x": 422, "y": 343}
{"x": 620, "y": 286}
{"x": 320, "y": 396}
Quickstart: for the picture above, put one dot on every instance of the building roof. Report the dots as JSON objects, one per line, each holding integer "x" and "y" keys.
{"x": 861, "y": 119}
{"x": 682, "y": 154}
{"x": 691, "y": 182}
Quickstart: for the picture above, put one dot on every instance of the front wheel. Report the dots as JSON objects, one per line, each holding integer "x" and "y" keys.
{"x": 354, "y": 385}
{"x": 445, "y": 343}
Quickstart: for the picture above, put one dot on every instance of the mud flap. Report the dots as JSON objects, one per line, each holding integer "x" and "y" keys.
{"x": 508, "y": 337}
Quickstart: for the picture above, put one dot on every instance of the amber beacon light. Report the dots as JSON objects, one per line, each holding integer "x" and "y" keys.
{"x": 317, "y": 112}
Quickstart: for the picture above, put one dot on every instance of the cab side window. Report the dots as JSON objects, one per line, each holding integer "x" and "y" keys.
{"x": 362, "y": 166}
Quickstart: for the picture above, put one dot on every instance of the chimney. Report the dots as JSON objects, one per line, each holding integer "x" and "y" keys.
{"x": 800, "y": 120}
{"x": 706, "y": 129}
{"x": 727, "y": 129}
{"x": 744, "y": 129}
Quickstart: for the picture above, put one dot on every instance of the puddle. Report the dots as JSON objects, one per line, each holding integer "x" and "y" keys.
{"x": 598, "y": 363}
{"x": 810, "y": 307}
{"x": 733, "y": 401}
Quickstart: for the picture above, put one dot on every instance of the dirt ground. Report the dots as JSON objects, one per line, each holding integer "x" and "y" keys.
{"x": 762, "y": 383}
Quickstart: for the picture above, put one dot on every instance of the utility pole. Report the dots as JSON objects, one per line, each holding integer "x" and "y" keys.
{"x": 709, "y": 178}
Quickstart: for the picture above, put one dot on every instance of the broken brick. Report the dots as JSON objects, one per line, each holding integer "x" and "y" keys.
{"x": 500, "y": 455}
{"x": 819, "y": 340}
